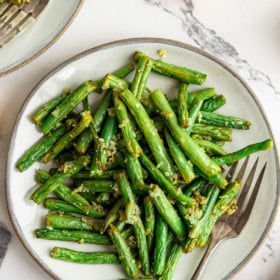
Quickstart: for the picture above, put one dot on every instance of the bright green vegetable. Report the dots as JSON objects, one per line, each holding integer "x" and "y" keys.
{"x": 180, "y": 73}
{"x": 224, "y": 120}
{"x": 183, "y": 114}
{"x": 67, "y": 105}
{"x": 73, "y": 235}
{"x": 68, "y": 255}
{"x": 44, "y": 110}
{"x": 149, "y": 221}
{"x": 165, "y": 183}
{"x": 125, "y": 125}
{"x": 190, "y": 148}
{"x": 139, "y": 82}
{"x": 150, "y": 132}
{"x": 183, "y": 164}
{"x": 39, "y": 149}
{"x": 133, "y": 218}
{"x": 99, "y": 159}
{"x": 67, "y": 138}
{"x": 59, "y": 221}
{"x": 167, "y": 211}
{"x": 160, "y": 250}
{"x": 67, "y": 170}
{"x": 172, "y": 261}
{"x": 125, "y": 255}
{"x": 244, "y": 152}
{"x": 214, "y": 103}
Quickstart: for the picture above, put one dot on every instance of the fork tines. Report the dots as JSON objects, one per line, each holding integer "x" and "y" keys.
{"x": 16, "y": 18}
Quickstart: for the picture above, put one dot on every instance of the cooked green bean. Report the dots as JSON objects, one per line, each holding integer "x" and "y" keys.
{"x": 244, "y": 152}
{"x": 79, "y": 236}
{"x": 183, "y": 113}
{"x": 165, "y": 183}
{"x": 214, "y": 103}
{"x": 160, "y": 250}
{"x": 67, "y": 138}
{"x": 167, "y": 211}
{"x": 68, "y": 169}
{"x": 184, "y": 165}
{"x": 68, "y": 255}
{"x": 180, "y": 73}
{"x": 149, "y": 221}
{"x": 190, "y": 148}
{"x": 67, "y": 105}
{"x": 125, "y": 255}
{"x": 151, "y": 134}
{"x": 39, "y": 149}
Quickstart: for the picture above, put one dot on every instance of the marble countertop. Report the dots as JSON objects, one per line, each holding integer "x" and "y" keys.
{"x": 243, "y": 33}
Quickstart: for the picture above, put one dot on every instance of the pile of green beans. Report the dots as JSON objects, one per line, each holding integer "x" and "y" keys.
{"x": 146, "y": 171}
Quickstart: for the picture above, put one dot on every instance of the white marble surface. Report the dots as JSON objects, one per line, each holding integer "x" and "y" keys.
{"x": 244, "y": 33}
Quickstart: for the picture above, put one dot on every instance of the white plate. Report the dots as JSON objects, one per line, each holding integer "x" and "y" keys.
{"x": 93, "y": 64}
{"x": 47, "y": 28}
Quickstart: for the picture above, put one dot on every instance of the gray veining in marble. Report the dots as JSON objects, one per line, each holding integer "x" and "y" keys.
{"x": 210, "y": 41}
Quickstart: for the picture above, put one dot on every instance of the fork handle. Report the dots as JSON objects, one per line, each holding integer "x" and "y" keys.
{"x": 203, "y": 262}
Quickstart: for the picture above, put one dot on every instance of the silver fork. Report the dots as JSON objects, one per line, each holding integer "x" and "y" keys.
{"x": 14, "y": 19}
{"x": 231, "y": 226}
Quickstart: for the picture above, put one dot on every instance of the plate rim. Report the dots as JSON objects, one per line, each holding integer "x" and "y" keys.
{"x": 47, "y": 46}
{"x": 129, "y": 41}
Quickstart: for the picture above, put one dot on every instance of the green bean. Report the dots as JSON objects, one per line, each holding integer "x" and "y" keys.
{"x": 135, "y": 172}
{"x": 68, "y": 169}
{"x": 197, "y": 229}
{"x": 244, "y": 152}
{"x": 172, "y": 261}
{"x": 85, "y": 139}
{"x": 189, "y": 147}
{"x": 39, "y": 149}
{"x": 133, "y": 217}
{"x": 165, "y": 183}
{"x": 106, "y": 175}
{"x": 180, "y": 73}
{"x": 139, "y": 81}
{"x": 73, "y": 235}
{"x": 150, "y": 132}
{"x": 126, "y": 127}
{"x": 183, "y": 114}
{"x": 211, "y": 147}
{"x": 112, "y": 215}
{"x": 195, "y": 185}
{"x": 160, "y": 250}
{"x": 95, "y": 185}
{"x": 167, "y": 211}
{"x": 214, "y": 103}
{"x": 214, "y": 132}
{"x": 59, "y": 221}
{"x": 224, "y": 120}
{"x": 113, "y": 82}
{"x": 203, "y": 94}
{"x": 149, "y": 221}
{"x": 125, "y": 255}
{"x": 44, "y": 110}
{"x": 67, "y": 105}
{"x": 99, "y": 159}
{"x": 221, "y": 206}
{"x": 68, "y": 255}
{"x": 194, "y": 110}
{"x": 184, "y": 165}
{"x": 67, "y": 138}
{"x": 217, "y": 179}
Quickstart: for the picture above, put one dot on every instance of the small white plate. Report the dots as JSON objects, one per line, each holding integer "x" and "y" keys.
{"x": 93, "y": 64}
{"x": 47, "y": 28}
